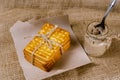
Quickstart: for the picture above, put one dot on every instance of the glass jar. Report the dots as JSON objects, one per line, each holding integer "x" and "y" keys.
{"x": 96, "y": 45}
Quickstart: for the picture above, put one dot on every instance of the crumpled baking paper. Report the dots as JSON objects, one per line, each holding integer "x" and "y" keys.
{"x": 73, "y": 58}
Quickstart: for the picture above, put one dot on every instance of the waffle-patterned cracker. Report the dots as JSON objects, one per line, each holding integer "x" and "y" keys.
{"x": 45, "y": 57}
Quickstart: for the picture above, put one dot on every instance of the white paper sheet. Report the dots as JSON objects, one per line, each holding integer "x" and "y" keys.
{"x": 73, "y": 58}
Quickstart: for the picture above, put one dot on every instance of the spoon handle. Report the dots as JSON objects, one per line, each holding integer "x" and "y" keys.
{"x": 109, "y": 9}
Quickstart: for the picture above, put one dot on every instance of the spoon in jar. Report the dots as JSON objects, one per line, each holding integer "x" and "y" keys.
{"x": 101, "y": 26}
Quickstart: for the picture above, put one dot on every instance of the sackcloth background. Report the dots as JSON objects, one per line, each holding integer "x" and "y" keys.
{"x": 81, "y": 13}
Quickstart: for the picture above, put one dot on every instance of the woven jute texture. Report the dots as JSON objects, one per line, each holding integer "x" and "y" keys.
{"x": 55, "y": 4}
{"x": 105, "y": 68}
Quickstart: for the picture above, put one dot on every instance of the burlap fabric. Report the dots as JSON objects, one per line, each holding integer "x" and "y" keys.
{"x": 55, "y": 4}
{"x": 104, "y": 68}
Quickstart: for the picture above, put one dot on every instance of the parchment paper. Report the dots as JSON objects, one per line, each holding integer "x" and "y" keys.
{"x": 73, "y": 58}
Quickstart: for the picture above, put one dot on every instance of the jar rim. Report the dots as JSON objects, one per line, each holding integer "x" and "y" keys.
{"x": 102, "y": 36}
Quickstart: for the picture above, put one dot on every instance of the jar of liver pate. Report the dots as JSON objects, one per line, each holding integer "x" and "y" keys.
{"x": 96, "y": 43}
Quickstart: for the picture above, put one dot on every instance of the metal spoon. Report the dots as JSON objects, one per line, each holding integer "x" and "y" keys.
{"x": 102, "y": 24}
